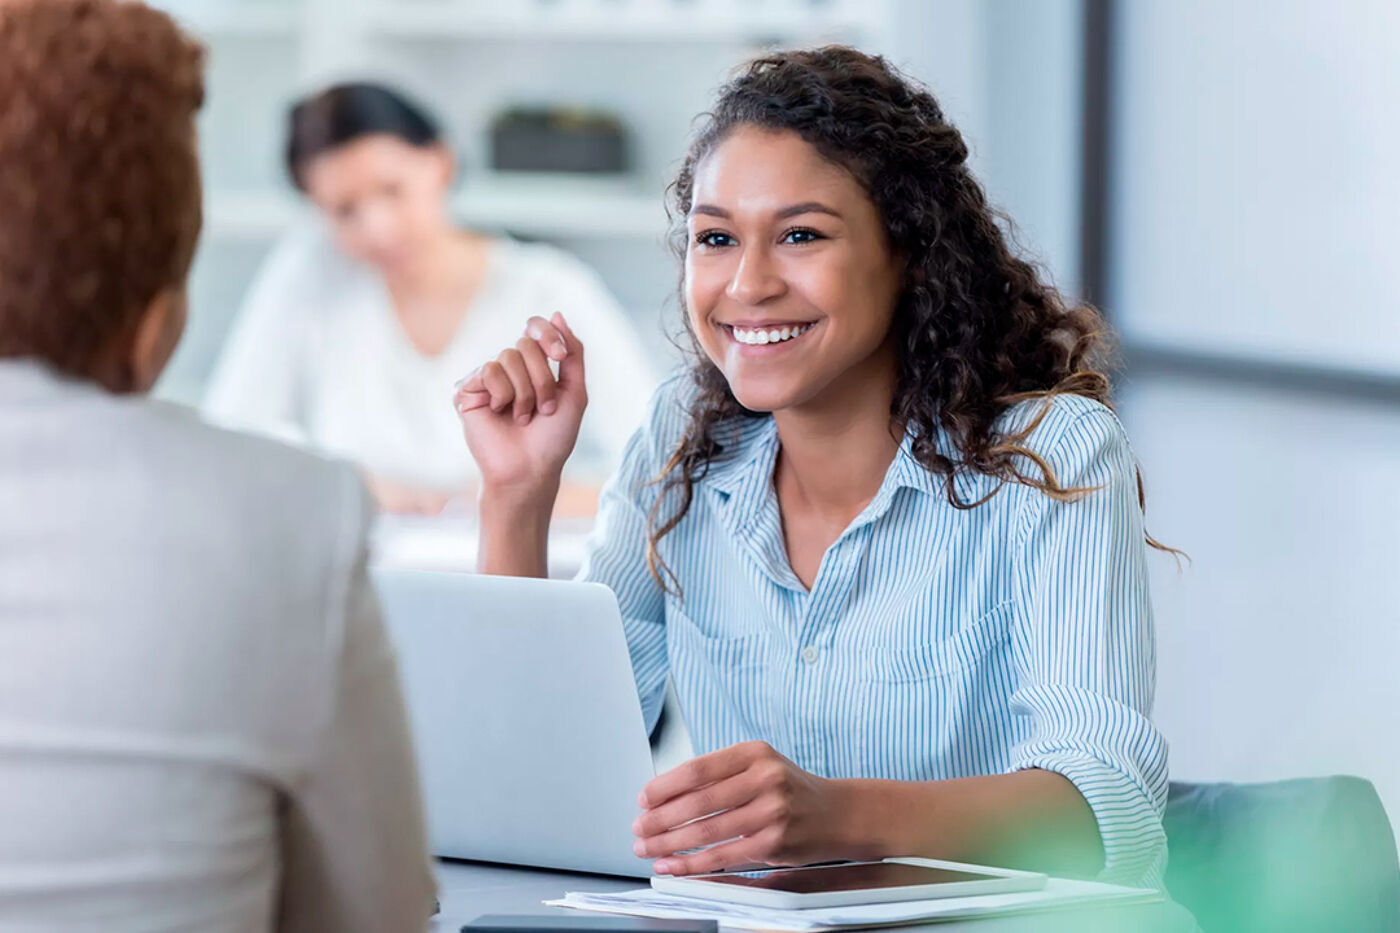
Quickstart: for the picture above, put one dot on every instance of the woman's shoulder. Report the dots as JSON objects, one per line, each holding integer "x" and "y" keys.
{"x": 306, "y": 263}
{"x": 1080, "y": 439}
{"x": 1050, "y": 422}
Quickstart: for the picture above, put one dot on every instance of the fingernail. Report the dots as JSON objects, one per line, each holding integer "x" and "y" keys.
{"x": 639, "y": 849}
{"x": 661, "y": 868}
{"x": 547, "y": 407}
{"x": 560, "y": 348}
{"x": 637, "y": 826}
{"x": 642, "y": 800}
{"x": 522, "y": 420}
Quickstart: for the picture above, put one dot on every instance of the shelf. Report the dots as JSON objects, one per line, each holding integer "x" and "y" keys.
{"x": 214, "y": 19}
{"x": 537, "y": 206}
{"x": 560, "y": 206}
{"x": 435, "y": 19}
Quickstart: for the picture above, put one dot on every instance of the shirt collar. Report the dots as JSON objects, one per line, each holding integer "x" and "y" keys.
{"x": 749, "y": 447}
{"x": 744, "y": 470}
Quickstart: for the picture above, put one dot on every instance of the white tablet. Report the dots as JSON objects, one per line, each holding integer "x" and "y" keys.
{"x": 844, "y": 883}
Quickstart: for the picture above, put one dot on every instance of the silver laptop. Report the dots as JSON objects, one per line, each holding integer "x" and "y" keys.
{"x": 525, "y": 715}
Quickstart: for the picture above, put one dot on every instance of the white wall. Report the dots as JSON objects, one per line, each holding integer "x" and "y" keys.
{"x": 1259, "y": 189}
{"x": 1259, "y": 216}
{"x": 1279, "y": 642}
{"x": 1008, "y": 73}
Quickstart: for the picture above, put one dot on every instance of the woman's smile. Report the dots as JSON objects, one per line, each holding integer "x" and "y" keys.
{"x": 767, "y": 338}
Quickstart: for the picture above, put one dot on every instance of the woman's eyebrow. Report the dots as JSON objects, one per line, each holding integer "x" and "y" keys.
{"x": 806, "y": 207}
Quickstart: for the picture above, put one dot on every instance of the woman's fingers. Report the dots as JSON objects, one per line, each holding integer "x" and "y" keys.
{"x": 471, "y": 394}
{"x": 521, "y": 379}
{"x": 745, "y": 852}
{"x": 696, "y": 773}
{"x": 471, "y": 401}
{"x": 719, "y": 827}
{"x": 498, "y": 386}
{"x": 523, "y": 405}
{"x": 571, "y": 369}
{"x": 537, "y": 365}
{"x": 548, "y": 336}
{"x": 688, "y": 813}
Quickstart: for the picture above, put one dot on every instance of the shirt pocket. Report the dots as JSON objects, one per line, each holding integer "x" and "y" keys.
{"x": 960, "y": 651}
{"x": 724, "y": 652}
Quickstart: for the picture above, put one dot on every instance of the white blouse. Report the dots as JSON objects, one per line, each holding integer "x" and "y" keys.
{"x": 318, "y": 357}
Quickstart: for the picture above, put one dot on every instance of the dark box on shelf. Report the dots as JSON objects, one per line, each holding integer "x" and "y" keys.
{"x": 558, "y": 140}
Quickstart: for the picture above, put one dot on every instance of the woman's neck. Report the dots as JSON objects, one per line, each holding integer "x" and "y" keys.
{"x": 442, "y": 275}
{"x": 836, "y": 450}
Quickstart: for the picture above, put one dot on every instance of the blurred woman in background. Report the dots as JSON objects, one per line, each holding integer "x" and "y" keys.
{"x": 355, "y": 331}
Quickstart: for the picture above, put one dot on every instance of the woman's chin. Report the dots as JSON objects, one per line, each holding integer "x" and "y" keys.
{"x": 764, "y": 395}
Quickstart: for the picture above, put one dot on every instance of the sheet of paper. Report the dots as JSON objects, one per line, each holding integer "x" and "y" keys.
{"x": 1057, "y": 894}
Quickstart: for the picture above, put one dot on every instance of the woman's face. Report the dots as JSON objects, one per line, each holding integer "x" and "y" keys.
{"x": 789, "y": 282}
{"x": 385, "y": 198}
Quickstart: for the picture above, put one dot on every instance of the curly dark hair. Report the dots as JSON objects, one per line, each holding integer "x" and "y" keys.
{"x": 99, "y": 172}
{"x": 976, "y": 328}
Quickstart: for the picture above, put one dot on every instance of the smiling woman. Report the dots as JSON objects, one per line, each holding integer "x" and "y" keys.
{"x": 884, "y": 535}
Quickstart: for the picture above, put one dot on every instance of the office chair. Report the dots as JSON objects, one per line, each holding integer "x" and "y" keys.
{"x": 1311, "y": 855}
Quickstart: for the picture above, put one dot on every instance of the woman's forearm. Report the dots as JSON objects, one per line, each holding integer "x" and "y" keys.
{"x": 513, "y": 538}
{"x": 1030, "y": 819}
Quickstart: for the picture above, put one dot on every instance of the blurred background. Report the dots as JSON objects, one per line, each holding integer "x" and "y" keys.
{"x": 1223, "y": 178}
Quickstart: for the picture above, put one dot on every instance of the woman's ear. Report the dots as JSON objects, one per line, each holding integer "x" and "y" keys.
{"x": 156, "y": 336}
{"x": 448, "y": 161}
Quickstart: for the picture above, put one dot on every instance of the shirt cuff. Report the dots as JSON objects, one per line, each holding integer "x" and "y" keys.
{"x": 1129, "y": 813}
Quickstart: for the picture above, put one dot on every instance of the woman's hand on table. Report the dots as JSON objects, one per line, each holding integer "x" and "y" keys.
{"x": 521, "y": 421}
{"x": 749, "y": 805}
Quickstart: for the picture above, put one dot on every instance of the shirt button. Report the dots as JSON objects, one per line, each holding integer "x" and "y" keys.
{"x": 809, "y": 654}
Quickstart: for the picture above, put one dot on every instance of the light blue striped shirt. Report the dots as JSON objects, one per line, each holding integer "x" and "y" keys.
{"x": 935, "y": 642}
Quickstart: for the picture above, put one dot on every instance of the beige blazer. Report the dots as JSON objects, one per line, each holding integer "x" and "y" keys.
{"x": 201, "y": 726}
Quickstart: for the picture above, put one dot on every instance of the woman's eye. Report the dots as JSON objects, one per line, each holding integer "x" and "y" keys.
{"x": 801, "y": 235}
{"x": 713, "y": 238}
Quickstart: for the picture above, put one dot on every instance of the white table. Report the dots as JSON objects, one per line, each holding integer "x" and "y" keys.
{"x": 469, "y": 889}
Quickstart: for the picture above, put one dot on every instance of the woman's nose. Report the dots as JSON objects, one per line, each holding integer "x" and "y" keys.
{"x": 755, "y": 279}
{"x": 376, "y": 224}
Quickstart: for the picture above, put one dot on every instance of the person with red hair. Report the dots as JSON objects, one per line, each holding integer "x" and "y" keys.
{"x": 201, "y": 726}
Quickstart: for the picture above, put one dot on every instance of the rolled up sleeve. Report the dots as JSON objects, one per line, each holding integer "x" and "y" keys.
{"x": 1085, "y": 648}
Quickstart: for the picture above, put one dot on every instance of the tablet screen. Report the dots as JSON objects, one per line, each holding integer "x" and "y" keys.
{"x": 851, "y": 876}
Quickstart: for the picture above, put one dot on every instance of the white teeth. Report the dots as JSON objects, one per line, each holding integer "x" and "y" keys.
{"x": 761, "y": 337}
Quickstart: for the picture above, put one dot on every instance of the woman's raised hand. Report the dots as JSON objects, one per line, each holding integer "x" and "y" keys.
{"x": 521, "y": 421}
